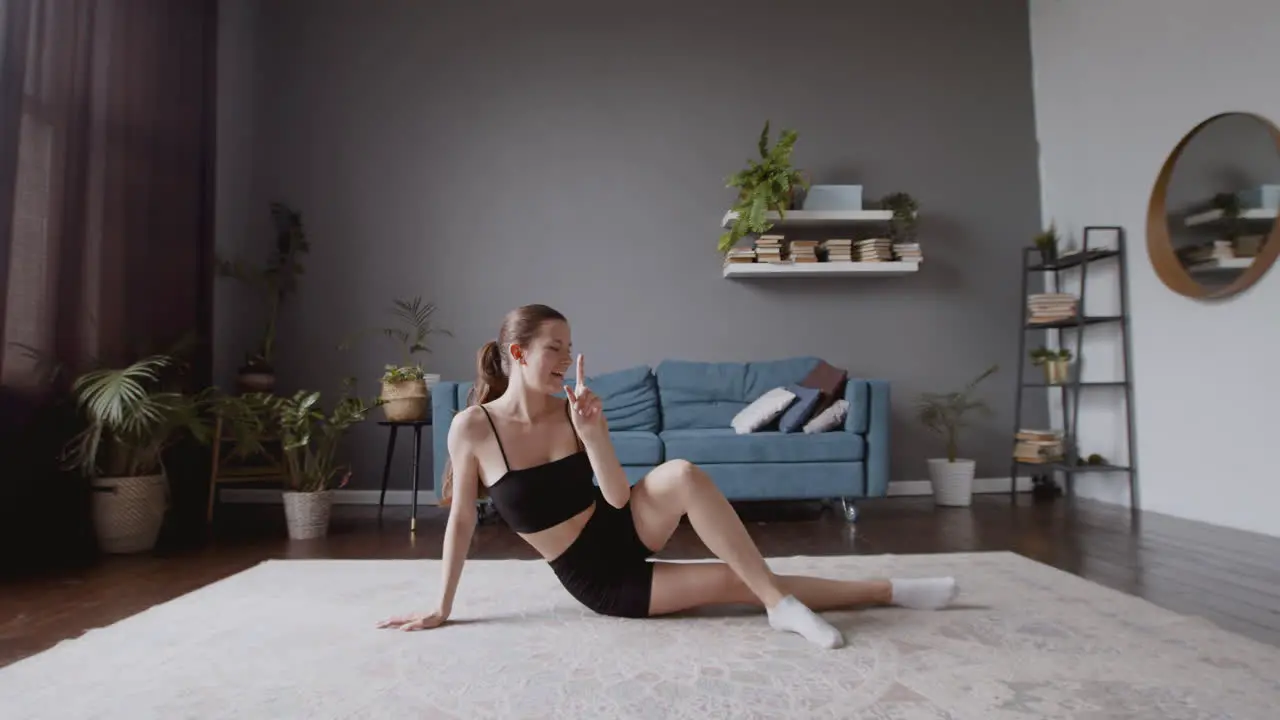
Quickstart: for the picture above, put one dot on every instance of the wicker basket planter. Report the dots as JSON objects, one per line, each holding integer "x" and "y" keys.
{"x": 128, "y": 512}
{"x": 307, "y": 514}
{"x": 405, "y": 401}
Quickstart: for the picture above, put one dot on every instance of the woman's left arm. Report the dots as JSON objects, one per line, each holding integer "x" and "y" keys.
{"x": 587, "y": 413}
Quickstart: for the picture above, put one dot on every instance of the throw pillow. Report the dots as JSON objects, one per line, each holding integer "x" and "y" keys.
{"x": 829, "y": 419}
{"x": 799, "y": 412}
{"x": 764, "y": 410}
{"x": 828, "y": 380}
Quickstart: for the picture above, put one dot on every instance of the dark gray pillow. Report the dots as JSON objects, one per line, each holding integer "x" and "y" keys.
{"x": 801, "y": 410}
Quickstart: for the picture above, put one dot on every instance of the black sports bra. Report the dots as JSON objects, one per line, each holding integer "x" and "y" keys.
{"x": 543, "y": 496}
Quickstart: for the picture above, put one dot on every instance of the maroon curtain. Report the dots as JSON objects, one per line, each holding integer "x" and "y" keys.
{"x": 106, "y": 189}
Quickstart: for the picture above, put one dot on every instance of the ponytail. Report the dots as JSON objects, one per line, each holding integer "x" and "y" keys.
{"x": 491, "y": 382}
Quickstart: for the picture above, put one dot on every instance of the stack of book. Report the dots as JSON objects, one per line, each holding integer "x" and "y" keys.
{"x": 838, "y": 250}
{"x": 769, "y": 249}
{"x": 1052, "y": 307}
{"x": 741, "y": 255}
{"x": 910, "y": 252}
{"x": 1037, "y": 446}
{"x": 804, "y": 251}
{"x": 874, "y": 250}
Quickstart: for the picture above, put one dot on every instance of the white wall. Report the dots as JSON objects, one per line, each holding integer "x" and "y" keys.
{"x": 1117, "y": 84}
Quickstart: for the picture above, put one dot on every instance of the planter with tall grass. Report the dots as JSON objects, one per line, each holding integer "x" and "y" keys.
{"x": 945, "y": 414}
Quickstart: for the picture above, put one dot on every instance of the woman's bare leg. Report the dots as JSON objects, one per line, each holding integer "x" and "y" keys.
{"x": 684, "y": 586}
{"x": 678, "y": 488}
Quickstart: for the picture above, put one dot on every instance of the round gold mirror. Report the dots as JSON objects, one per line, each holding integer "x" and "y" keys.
{"x": 1211, "y": 222}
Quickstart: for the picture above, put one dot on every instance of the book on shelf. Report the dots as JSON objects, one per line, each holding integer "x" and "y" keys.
{"x": 873, "y": 250}
{"x": 1038, "y": 446}
{"x": 909, "y": 252}
{"x": 837, "y": 249}
{"x": 1052, "y": 307}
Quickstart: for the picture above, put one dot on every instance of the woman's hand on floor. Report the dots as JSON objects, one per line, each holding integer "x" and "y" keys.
{"x": 415, "y": 621}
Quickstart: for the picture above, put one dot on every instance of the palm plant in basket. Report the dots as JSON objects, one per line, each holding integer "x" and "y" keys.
{"x": 131, "y": 416}
{"x": 406, "y": 386}
{"x": 945, "y": 414}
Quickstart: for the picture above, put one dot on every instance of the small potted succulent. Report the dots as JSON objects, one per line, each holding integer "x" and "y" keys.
{"x": 1056, "y": 364}
{"x": 902, "y": 227}
{"x": 1047, "y": 243}
{"x": 946, "y": 414}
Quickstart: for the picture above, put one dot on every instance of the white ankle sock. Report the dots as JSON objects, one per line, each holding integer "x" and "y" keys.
{"x": 924, "y": 593}
{"x": 790, "y": 615}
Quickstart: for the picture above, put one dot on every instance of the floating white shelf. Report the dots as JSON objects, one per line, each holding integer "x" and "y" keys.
{"x": 819, "y": 269}
{"x": 1212, "y": 266}
{"x": 1211, "y": 216}
{"x": 818, "y": 217}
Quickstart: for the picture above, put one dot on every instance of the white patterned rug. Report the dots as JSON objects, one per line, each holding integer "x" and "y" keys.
{"x": 296, "y": 639}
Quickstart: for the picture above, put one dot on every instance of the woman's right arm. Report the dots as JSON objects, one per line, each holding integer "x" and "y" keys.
{"x": 462, "y": 511}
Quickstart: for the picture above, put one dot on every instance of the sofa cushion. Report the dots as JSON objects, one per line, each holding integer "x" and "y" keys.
{"x": 629, "y": 397}
{"x": 723, "y": 445}
{"x": 800, "y": 411}
{"x": 829, "y": 419}
{"x": 829, "y": 381}
{"x": 764, "y": 410}
{"x": 709, "y": 394}
{"x": 636, "y": 447}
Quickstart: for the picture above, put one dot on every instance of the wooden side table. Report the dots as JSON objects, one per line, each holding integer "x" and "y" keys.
{"x": 417, "y": 426}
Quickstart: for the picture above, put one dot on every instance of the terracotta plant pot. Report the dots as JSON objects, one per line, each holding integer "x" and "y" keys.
{"x": 128, "y": 512}
{"x": 307, "y": 514}
{"x": 405, "y": 401}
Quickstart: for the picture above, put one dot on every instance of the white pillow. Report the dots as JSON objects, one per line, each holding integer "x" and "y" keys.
{"x": 828, "y": 419}
{"x": 765, "y": 409}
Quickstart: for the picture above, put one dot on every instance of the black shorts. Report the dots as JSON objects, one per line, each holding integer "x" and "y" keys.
{"x": 607, "y": 568}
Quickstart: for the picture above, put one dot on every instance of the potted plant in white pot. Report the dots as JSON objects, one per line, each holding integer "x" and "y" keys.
{"x": 944, "y": 414}
{"x": 1054, "y": 363}
{"x": 310, "y": 441}
{"x": 273, "y": 282}
{"x": 132, "y": 415}
{"x": 406, "y": 386}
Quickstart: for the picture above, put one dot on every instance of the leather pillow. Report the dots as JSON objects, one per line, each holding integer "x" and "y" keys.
{"x": 829, "y": 381}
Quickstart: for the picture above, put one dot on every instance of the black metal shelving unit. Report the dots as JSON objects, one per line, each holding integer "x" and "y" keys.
{"x": 1073, "y": 388}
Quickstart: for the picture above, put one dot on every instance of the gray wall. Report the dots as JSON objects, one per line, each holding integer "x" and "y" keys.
{"x": 488, "y": 154}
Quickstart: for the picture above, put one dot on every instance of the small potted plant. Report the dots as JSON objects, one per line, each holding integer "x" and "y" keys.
{"x": 768, "y": 183}
{"x": 309, "y": 440}
{"x": 1055, "y": 364}
{"x": 1047, "y": 243}
{"x": 406, "y": 387}
{"x": 945, "y": 414}
{"x": 131, "y": 416}
{"x": 902, "y": 227}
{"x": 273, "y": 283}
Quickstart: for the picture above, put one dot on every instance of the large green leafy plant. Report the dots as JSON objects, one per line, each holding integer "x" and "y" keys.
{"x": 310, "y": 437}
{"x": 945, "y": 413}
{"x": 131, "y": 416}
{"x": 767, "y": 184}
{"x": 274, "y": 281}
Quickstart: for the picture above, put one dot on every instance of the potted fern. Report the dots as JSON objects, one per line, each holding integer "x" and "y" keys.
{"x": 406, "y": 386}
{"x": 945, "y": 414}
{"x": 131, "y": 416}
{"x": 273, "y": 283}
{"x": 310, "y": 439}
{"x": 902, "y": 226}
{"x": 767, "y": 184}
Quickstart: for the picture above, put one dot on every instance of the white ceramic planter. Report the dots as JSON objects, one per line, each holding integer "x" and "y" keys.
{"x": 128, "y": 512}
{"x": 307, "y": 514}
{"x": 952, "y": 481}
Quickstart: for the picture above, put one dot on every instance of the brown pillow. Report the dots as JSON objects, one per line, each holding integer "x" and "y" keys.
{"x": 829, "y": 381}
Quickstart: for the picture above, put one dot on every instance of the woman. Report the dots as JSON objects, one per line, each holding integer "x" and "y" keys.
{"x": 535, "y": 456}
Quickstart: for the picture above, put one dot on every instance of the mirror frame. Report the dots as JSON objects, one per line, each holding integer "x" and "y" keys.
{"x": 1160, "y": 249}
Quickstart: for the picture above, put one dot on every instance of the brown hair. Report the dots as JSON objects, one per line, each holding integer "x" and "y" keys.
{"x": 492, "y": 372}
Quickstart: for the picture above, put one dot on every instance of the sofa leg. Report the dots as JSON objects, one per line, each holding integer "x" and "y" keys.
{"x": 850, "y": 510}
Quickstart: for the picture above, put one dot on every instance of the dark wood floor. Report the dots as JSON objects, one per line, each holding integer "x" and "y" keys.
{"x": 1231, "y": 578}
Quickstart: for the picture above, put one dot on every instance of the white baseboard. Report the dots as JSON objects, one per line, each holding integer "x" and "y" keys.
{"x": 898, "y": 488}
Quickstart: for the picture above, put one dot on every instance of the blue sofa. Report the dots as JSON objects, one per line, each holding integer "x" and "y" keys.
{"x": 682, "y": 409}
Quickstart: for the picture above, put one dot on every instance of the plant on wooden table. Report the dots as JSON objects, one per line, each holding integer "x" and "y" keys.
{"x": 768, "y": 183}
{"x": 946, "y": 414}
